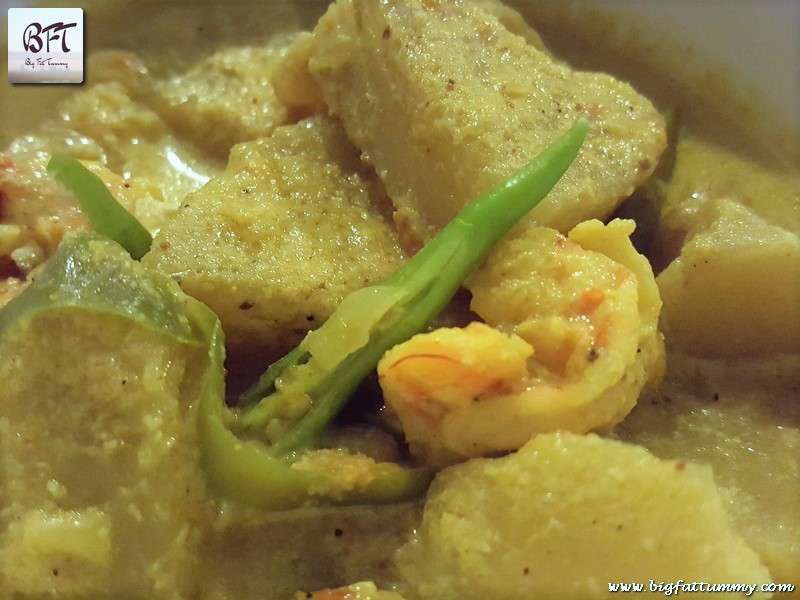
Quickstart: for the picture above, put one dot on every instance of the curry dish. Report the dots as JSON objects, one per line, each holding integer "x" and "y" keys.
{"x": 320, "y": 370}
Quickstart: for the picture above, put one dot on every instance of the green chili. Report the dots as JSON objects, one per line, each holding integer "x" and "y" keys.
{"x": 107, "y": 216}
{"x": 330, "y": 362}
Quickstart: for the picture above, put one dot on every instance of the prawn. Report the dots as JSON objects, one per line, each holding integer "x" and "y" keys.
{"x": 364, "y": 590}
{"x": 570, "y": 339}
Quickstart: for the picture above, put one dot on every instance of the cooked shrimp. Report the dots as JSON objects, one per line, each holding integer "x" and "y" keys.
{"x": 365, "y": 590}
{"x": 569, "y": 342}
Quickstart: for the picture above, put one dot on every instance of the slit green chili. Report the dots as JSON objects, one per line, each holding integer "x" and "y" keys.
{"x": 403, "y": 305}
{"x": 107, "y": 216}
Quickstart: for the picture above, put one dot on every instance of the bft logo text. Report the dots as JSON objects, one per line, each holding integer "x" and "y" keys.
{"x": 33, "y": 42}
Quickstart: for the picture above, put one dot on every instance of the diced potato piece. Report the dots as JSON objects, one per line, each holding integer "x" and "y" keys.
{"x": 101, "y": 494}
{"x": 445, "y": 103}
{"x": 226, "y": 98}
{"x": 705, "y": 173}
{"x": 85, "y": 535}
{"x": 294, "y": 86}
{"x": 9, "y": 236}
{"x": 40, "y": 542}
{"x": 735, "y": 289}
{"x": 106, "y": 114}
{"x": 566, "y": 515}
{"x": 276, "y": 242}
{"x": 298, "y": 91}
{"x": 749, "y": 437}
{"x": 124, "y": 67}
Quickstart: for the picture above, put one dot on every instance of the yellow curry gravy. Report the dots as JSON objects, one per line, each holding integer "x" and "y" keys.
{"x": 736, "y": 411}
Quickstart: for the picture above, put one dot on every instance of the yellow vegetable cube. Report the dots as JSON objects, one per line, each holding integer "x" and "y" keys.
{"x": 735, "y": 289}
{"x": 567, "y": 515}
{"x": 225, "y": 99}
{"x": 445, "y": 102}
{"x": 273, "y": 244}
